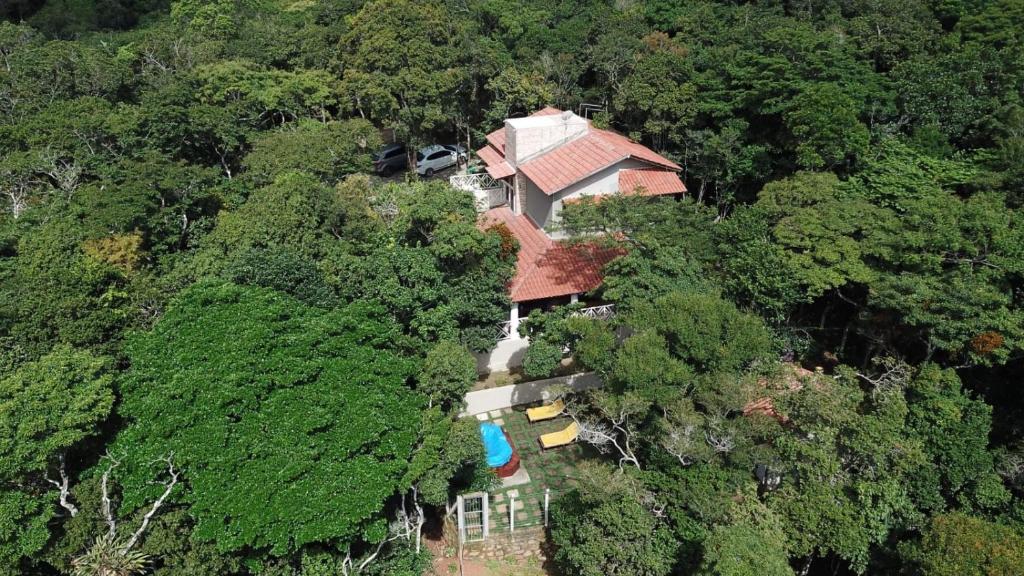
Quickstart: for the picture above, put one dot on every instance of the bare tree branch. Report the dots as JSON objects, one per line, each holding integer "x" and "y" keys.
{"x": 108, "y": 513}
{"x": 168, "y": 487}
{"x": 64, "y": 490}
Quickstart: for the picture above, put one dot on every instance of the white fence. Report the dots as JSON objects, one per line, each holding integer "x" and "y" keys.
{"x": 489, "y": 193}
{"x": 603, "y": 312}
{"x": 504, "y": 330}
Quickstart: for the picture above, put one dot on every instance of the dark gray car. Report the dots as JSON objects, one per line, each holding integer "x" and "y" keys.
{"x": 389, "y": 159}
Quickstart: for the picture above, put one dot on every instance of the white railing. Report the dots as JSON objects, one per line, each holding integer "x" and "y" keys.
{"x": 603, "y": 312}
{"x": 489, "y": 193}
{"x": 473, "y": 182}
{"x": 504, "y": 330}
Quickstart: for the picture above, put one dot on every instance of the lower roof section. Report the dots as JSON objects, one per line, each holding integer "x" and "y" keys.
{"x": 546, "y": 268}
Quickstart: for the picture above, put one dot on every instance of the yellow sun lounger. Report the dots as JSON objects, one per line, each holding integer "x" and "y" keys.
{"x": 546, "y": 412}
{"x": 560, "y": 438}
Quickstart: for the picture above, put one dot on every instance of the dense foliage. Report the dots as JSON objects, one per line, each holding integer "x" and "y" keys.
{"x": 203, "y": 291}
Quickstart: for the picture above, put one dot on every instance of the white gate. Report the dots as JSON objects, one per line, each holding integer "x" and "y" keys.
{"x": 473, "y": 517}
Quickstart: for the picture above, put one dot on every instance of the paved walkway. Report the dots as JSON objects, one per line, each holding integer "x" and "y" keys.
{"x": 481, "y": 401}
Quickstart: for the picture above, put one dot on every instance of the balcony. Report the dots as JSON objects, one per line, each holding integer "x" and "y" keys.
{"x": 489, "y": 193}
{"x": 603, "y": 312}
{"x": 508, "y": 331}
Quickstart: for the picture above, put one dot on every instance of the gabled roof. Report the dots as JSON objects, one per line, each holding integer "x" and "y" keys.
{"x": 572, "y": 161}
{"x": 650, "y": 182}
{"x": 546, "y": 268}
{"x": 577, "y": 159}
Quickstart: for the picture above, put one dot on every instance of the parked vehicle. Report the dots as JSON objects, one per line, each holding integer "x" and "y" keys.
{"x": 389, "y": 159}
{"x": 433, "y": 159}
{"x": 463, "y": 157}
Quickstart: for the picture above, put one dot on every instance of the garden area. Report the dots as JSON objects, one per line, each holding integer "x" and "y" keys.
{"x": 540, "y": 470}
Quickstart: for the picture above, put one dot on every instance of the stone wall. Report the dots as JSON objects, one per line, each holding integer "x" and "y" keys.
{"x": 520, "y": 545}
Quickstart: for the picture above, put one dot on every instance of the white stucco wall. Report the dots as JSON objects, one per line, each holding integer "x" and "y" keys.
{"x": 530, "y": 136}
{"x": 544, "y": 209}
{"x": 538, "y": 204}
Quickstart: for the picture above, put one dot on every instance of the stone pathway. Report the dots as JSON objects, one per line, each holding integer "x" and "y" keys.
{"x": 494, "y": 399}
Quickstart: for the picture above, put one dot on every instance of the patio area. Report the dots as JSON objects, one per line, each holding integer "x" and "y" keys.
{"x": 539, "y": 470}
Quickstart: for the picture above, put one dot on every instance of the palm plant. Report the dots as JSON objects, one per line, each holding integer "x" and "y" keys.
{"x": 109, "y": 557}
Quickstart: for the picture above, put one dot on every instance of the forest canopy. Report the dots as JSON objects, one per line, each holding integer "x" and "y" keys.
{"x": 229, "y": 346}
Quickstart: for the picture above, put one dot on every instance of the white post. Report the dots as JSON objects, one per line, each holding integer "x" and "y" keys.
{"x": 513, "y": 321}
{"x": 573, "y": 299}
{"x": 512, "y": 514}
{"x": 487, "y": 508}
{"x": 547, "y": 501}
{"x": 462, "y": 519}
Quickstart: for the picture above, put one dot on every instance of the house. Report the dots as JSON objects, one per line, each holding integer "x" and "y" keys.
{"x": 552, "y": 157}
{"x": 534, "y": 166}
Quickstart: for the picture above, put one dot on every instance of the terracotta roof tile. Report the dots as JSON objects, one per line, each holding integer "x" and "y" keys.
{"x": 496, "y": 165}
{"x": 497, "y": 140}
{"x": 545, "y": 268}
{"x": 573, "y": 161}
{"x": 636, "y": 150}
{"x": 791, "y": 379}
{"x": 650, "y": 182}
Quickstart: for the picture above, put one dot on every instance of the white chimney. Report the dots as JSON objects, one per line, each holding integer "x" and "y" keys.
{"x": 533, "y": 135}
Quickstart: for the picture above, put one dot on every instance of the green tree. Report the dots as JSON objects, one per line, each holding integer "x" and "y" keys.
{"x": 705, "y": 331}
{"x": 947, "y": 269}
{"x": 262, "y": 398}
{"x": 541, "y": 359}
{"x": 801, "y": 240}
{"x": 825, "y": 127}
{"x": 401, "y": 67}
{"x": 961, "y": 544}
{"x": 602, "y": 528}
{"x": 289, "y": 214}
{"x": 954, "y": 429}
{"x": 330, "y": 151}
{"x": 448, "y": 372}
{"x": 752, "y": 543}
{"x": 439, "y": 275}
{"x": 657, "y": 99}
{"x": 53, "y": 292}
{"x": 47, "y": 409}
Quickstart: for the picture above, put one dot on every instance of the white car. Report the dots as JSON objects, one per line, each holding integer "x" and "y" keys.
{"x": 434, "y": 159}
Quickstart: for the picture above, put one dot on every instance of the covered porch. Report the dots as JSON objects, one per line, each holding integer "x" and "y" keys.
{"x": 509, "y": 329}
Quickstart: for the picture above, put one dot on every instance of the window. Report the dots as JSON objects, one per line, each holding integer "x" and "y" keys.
{"x": 437, "y": 155}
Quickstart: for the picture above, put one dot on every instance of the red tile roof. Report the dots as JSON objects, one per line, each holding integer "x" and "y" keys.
{"x": 502, "y": 170}
{"x": 570, "y": 163}
{"x": 791, "y": 379}
{"x": 573, "y": 161}
{"x": 497, "y": 140}
{"x": 650, "y": 182}
{"x": 496, "y": 165}
{"x": 545, "y": 268}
